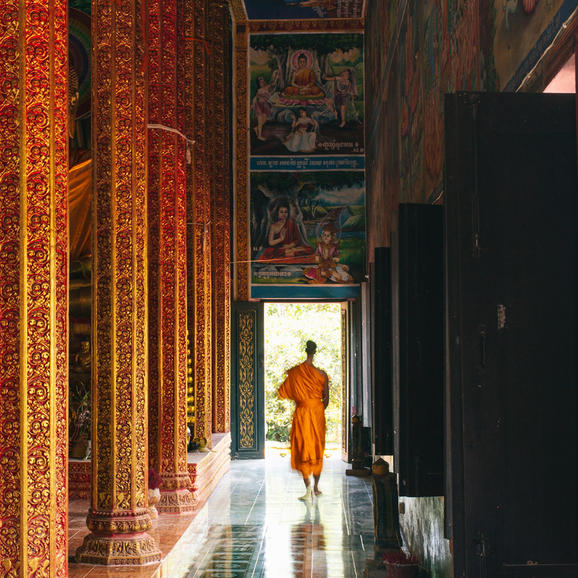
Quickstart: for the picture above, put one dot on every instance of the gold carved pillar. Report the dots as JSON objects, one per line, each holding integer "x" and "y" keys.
{"x": 118, "y": 517}
{"x": 241, "y": 147}
{"x": 33, "y": 288}
{"x": 220, "y": 91}
{"x": 198, "y": 111}
{"x": 167, "y": 260}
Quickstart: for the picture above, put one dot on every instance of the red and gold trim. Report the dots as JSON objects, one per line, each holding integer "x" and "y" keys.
{"x": 241, "y": 147}
{"x": 220, "y": 214}
{"x": 33, "y": 287}
{"x": 198, "y": 61}
{"x": 118, "y": 515}
{"x": 167, "y": 261}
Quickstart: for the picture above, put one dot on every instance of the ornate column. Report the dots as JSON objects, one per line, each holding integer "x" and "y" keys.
{"x": 167, "y": 260}
{"x": 118, "y": 517}
{"x": 198, "y": 70}
{"x": 241, "y": 147}
{"x": 33, "y": 288}
{"x": 220, "y": 213}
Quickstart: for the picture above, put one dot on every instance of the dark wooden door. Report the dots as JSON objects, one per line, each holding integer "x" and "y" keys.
{"x": 247, "y": 385}
{"x": 511, "y": 222}
{"x": 418, "y": 383}
{"x": 382, "y": 352}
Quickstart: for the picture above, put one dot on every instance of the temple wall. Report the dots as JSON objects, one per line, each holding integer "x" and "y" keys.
{"x": 429, "y": 49}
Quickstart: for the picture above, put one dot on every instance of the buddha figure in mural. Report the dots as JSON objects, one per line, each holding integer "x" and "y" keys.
{"x": 303, "y": 85}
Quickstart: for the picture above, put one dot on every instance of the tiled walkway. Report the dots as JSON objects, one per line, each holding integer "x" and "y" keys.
{"x": 253, "y": 525}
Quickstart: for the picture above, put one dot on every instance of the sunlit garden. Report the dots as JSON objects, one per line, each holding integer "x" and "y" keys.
{"x": 287, "y": 327}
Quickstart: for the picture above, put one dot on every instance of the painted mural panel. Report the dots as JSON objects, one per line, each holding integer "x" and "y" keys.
{"x": 307, "y": 229}
{"x": 306, "y": 98}
{"x": 412, "y": 145}
{"x": 303, "y": 9}
{"x": 523, "y": 29}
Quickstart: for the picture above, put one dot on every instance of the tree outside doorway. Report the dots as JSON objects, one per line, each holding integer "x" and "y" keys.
{"x": 287, "y": 328}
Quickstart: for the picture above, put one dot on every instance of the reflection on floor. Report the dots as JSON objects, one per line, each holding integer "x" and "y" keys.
{"x": 254, "y": 525}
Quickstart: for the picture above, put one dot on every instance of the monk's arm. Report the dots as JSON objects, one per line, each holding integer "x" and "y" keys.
{"x": 283, "y": 392}
{"x": 326, "y": 392}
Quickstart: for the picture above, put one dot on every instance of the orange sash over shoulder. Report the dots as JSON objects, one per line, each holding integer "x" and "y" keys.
{"x": 304, "y": 385}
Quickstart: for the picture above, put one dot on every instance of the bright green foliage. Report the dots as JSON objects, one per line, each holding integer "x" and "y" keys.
{"x": 287, "y": 327}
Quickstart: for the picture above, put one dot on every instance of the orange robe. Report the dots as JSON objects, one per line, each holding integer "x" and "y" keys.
{"x": 304, "y": 385}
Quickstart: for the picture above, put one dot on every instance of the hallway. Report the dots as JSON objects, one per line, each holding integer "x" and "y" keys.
{"x": 253, "y": 525}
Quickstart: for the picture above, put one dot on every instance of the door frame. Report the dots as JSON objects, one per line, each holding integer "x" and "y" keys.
{"x": 247, "y": 373}
{"x": 247, "y": 381}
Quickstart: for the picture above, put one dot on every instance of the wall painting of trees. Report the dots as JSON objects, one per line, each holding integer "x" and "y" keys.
{"x": 307, "y": 99}
{"x": 307, "y": 234}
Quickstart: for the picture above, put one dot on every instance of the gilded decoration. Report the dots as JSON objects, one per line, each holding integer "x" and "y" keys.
{"x": 119, "y": 313}
{"x": 119, "y": 521}
{"x": 167, "y": 253}
{"x": 119, "y": 551}
{"x": 176, "y": 502}
{"x": 33, "y": 287}
{"x": 241, "y": 146}
{"x": 238, "y": 10}
{"x": 220, "y": 214}
{"x": 198, "y": 60}
{"x": 247, "y": 386}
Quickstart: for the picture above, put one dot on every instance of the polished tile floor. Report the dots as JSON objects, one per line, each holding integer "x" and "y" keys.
{"x": 254, "y": 525}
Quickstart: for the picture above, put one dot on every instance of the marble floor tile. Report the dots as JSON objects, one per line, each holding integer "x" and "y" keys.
{"x": 254, "y": 525}
{"x": 257, "y": 527}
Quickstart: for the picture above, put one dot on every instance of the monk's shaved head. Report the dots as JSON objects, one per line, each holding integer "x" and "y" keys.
{"x": 310, "y": 347}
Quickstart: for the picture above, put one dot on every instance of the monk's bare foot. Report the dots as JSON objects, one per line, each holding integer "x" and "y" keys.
{"x": 307, "y": 496}
{"x": 317, "y": 492}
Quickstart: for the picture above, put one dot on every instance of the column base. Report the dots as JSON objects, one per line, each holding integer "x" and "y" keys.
{"x": 136, "y": 550}
{"x": 176, "y": 502}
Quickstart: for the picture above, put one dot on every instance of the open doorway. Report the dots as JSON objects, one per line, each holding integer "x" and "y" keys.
{"x": 287, "y": 326}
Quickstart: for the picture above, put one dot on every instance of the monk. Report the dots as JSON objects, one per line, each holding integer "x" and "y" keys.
{"x": 308, "y": 387}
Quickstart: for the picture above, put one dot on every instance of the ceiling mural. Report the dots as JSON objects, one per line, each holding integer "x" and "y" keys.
{"x": 303, "y": 9}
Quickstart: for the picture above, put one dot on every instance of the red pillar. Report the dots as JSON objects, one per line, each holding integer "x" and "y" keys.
{"x": 33, "y": 288}
{"x": 118, "y": 517}
{"x": 167, "y": 259}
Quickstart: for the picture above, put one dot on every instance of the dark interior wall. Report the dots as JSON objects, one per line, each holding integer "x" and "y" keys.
{"x": 406, "y": 80}
{"x": 428, "y": 49}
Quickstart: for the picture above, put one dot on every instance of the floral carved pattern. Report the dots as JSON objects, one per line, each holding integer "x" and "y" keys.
{"x": 167, "y": 254}
{"x": 198, "y": 60}
{"x": 33, "y": 287}
{"x": 119, "y": 312}
{"x": 220, "y": 214}
{"x": 242, "y": 250}
{"x": 247, "y": 386}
